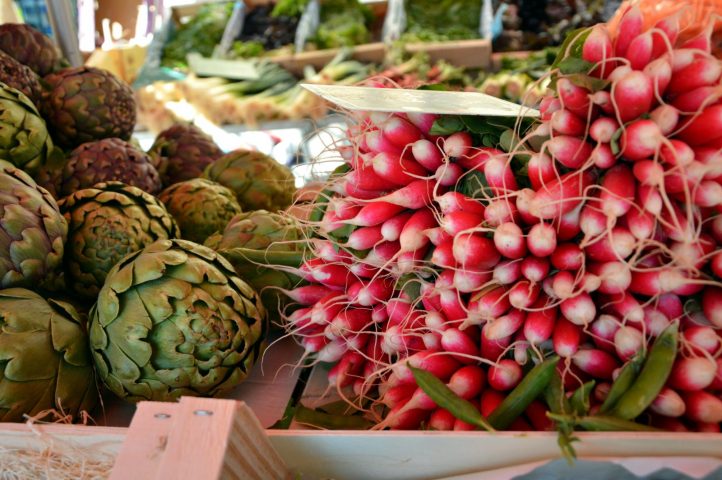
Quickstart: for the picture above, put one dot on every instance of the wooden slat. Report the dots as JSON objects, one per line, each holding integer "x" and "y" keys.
{"x": 145, "y": 441}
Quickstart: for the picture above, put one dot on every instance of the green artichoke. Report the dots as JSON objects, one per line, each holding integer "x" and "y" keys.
{"x": 85, "y": 103}
{"x": 182, "y": 152}
{"x": 200, "y": 207}
{"x": 46, "y": 362}
{"x": 32, "y": 231}
{"x": 253, "y": 243}
{"x": 107, "y": 160}
{"x": 174, "y": 319}
{"x": 105, "y": 223}
{"x": 20, "y": 77}
{"x": 24, "y": 138}
{"x": 258, "y": 181}
{"x": 29, "y": 47}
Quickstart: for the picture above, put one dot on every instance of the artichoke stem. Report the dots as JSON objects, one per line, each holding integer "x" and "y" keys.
{"x": 263, "y": 257}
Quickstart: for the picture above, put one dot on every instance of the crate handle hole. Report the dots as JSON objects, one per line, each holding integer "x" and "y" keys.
{"x": 203, "y": 413}
{"x": 162, "y": 416}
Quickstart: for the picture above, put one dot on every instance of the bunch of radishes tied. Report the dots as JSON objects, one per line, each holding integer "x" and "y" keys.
{"x": 593, "y": 239}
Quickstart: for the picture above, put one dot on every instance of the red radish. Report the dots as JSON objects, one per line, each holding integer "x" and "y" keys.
{"x": 509, "y": 240}
{"x": 625, "y": 306}
{"x": 548, "y": 106}
{"x": 629, "y": 28}
{"x": 566, "y": 338}
{"x": 521, "y": 347}
{"x": 592, "y": 221}
{"x": 639, "y": 52}
{"x": 507, "y": 272}
{"x": 565, "y": 122}
{"x": 695, "y": 100}
{"x": 668, "y": 403}
{"x": 423, "y": 121}
{"x": 332, "y": 275}
{"x": 542, "y": 240}
{"x": 579, "y": 309}
{"x": 499, "y": 175}
{"x": 560, "y": 195}
{"x": 669, "y": 424}
{"x": 500, "y": 210}
{"x": 523, "y": 294}
{"x": 535, "y": 269}
{"x": 618, "y": 189}
{"x": 489, "y": 401}
{"x": 572, "y": 152}
{"x": 692, "y": 373}
{"x": 400, "y": 132}
{"x": 382, "y": 253}
{"x": 541, "y": 170}
{"x": 374, "y": 214}
{"x": 573, "y": 97}
{"x": 504, "y": 375}
{"x": 419, "y": 399}
{"x": 456, "y": 222}
{"x": 364, "y": 177}
{"x": 379, "y": 314}
{"x": 455, "y": 202}
{"x": 451, "y": 304}
{"x": 347, "y": 323}
{"x": 701, "y": 72}
{"x": 655, "y": 321}
{"x": 308, "y": 294}
{"x": 474, "y": 251}
{"x": 490, "y": 304}
{"x": 523, "y": 201}
{"x": 437, "y": 235}
{"x": 656, "y": 282}
{"x": 567, "y": 256}
{"x": 440, "y": 364}
{"x": 314, "y": 344}
{"x": 505, "y": 326}
{"x": 717, "y": 382}
{"x": 412, "y": 237}
{"x": 536, "y": 413}
{"x": 365, "y": 237}
{"x": 603, "y": 99}
{"x": 477, "y": 157}
{"x": 375, "y": 291}
{"x": 430, "y": 297}
{"x": 664, "y": 35}
{"x": 712, "y": 305}
{"x": 708, "y": 194}
{"x": 564, "y": 284}
{"x": 702, "y": 406}
{"x": 397, "y": 170}
{"x": 397, "y": 341}
{"x": 597, "y": 49}
{"x": 457, "y": 144}
{"x": 569, "y": 226}
{"x": 391, "y": 228}
{"x": 398, "y": 394}
{"x": 398, "y": 310}
{"x": 666, "y": 117}
{"x": 441, "y": 420}
{"x": 628, "y": 341}
{"x": 455, "y": 341}
{"x": 443, "y": 255}
{"x": 603, "y": 330}
{"x": 400, "y": 418}
{"x": 618, "y": 244}
{"x": 632, "y": 95}
{"x": 353, "y": 191}
{"x": 716, "y": 264}
{"x": 641, "y": 223}
{"x": 597, "y": 363}
{"x": 539, "y": 324}
{"x": 333, "y": 351}
{"x": 493, "y": 349}
{"x": 701, "y": 339}
{"x": 702, "y": 427}
{"x": 466, "y": 281}
{"x": 427, "y": 154}
{"x": 378, "y": 143}
{"x": 602, "y": 129}
{"x": 448, "y": 174}
{"x": 468, "y": 381}
{"x": 641, "y": 139}
{"x": 703, "y": 128}
{"x": 650, "y": 199}
{"x": 602, "y": 156}
{"x": 660, "y": 73}
{"x": 615, "y": 276}
{"x": 415, "y": 195}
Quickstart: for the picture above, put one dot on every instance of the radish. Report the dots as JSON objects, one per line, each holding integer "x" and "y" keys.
{"x": 664, "y": 34}
{"x": 397, "y": 170}
{"x": 535, "y": 269}
{"x": 505, "y": 326}
{"x": 499, "y": 175}
{"x": 466, "y": 281}
{"x": 448, "y": 174}
{"x": 542, "y": 240}
{"x": 365, "y": 237}
{"x": 398, "y": 395}
{"x": 692, "y": 373}
{"x": 400, "y": 418}
{"x": 509, "y": 240}
{"x": 455, "y": 202}
{"x": 500, "y": 210}
{"x": 457, "y": 144}
{"x": 536, "y": 413}
{"x": 618, "y": 244}
{"x": 641, "y": 139}
{"x": 660, "y": 73}
{"x": 489, "y": 401}
{"x": 443, "y": 255}
{"x": 572, "y": 152}
{"x": 378, "y": 143}
{"x": 641, "y": 223}
{"x": 569, "y": 226}
{"x": 597, "y": 363}
{"x": 456, "y": 222}
{"x": 375, "y": 291}
{"x": 560, "y": 195}
{"x": 566, "y": 338}
{"x": 523, "y": 294}
{"x": 632, "y": 95}
{"x": 580, "y": 309}
{"x": 455, "y": 341}
{"x": 541, "y": 170}
{"x": 507, "y": 272}
{"x": 629, "y": 28}
{"x": 701, "y": 72}
{"x": 415, "y": 195}
{"x": 628, "y": 342}
{"x": 567, "y": 256}
{"x": 625, "y": 306}
{"x": 702, "y": 128}
{"x": 602, "y": 129}
{"x": 597, "y": 49}
{"x": 602, "y": 156}
{"x": 539, "y": 324}
{"x": 504, "y": 375}
{"x": 573, "y": 97}
{"x": 391, "y": 228}
{"x": 475, "y": 252}
{"x": 666, "y": 117}
{"x": 655, "y": 321}
{"x": 697, "y": 99}
{"x": 441, "y": 420}
{"x": 639, "y": 52}
{"x": 668, "y": 403}
{"x": 490, "y": 304}
{"x": 565, "y": 122}
{"x": 468, "y": 381}
{"x": 712, "y": 305}
{"x": 615, "y": 276}
{"x": 493, "y": 349}
{"x": 412, "y": 238}
{"x": 702, "y": 406}
{"x": 400, "y": 132}
{"x": 603, "y": 329}
{"x": 523, "y": 202}
{"x": 374, "y": 214}
{"x": 423, "y": 121}
{"x": 618, "y": 190}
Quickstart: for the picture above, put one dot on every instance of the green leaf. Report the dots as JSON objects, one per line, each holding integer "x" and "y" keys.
{"x": 614, "y": 142}
{"x": 474, "y": 185}
{"x": 448, "y": 400}
{"x": 580, "y": 400}
{"x": 581, "y": 79}
{"x": 572, "y": 45}
{"x": 439, "y": 87}
{"x": 447, "y": 125}
{"x": 571, "y": 65}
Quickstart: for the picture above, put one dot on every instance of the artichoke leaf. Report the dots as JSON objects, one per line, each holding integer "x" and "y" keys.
{"x": 22, "y": 366}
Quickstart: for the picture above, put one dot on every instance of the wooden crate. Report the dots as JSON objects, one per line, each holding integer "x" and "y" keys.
{"x": 462, "y": 53}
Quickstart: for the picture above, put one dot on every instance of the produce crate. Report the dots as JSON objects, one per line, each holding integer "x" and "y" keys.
{"x": 462, "y": 53}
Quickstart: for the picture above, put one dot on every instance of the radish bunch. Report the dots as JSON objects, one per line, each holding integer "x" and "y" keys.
{"x": 595, "y": 232}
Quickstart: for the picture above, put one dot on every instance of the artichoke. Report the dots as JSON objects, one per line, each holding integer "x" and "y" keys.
{"x": 174, "y": 319}
{"x": 111, "y": 159}
{"x": 29, "y": 47}
{"x": 24, "y": 139}
{"x": 85, "y": 103}
{"x": 32, "y": 231}
{"x": 19, "y": 77}
{"x": 46, "y": 362}
{"x": 259, "y": 182}
{"x": 200, "y": 207}
{"x": 253, "y": 243}
{"x": 182, "y": 152}
{"x": 105, "y": 223}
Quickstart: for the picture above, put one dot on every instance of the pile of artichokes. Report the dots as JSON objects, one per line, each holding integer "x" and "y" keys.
{"x": 105, "y": 284}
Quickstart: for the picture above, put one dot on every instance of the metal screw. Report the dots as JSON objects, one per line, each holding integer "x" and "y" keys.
{"x": 162, "y": 416}
{"x": 203, "y": 413}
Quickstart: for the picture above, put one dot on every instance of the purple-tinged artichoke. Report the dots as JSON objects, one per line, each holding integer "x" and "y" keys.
{"x": 20, "y": 77}
{"x": 182, "y": 152}
{"x": 29, "y": 47}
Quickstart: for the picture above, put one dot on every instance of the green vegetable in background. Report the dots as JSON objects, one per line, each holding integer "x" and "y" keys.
{"x": 46, "y": 363}
{"x": 201, "y": 34}
{"x": 174, "y": 319}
